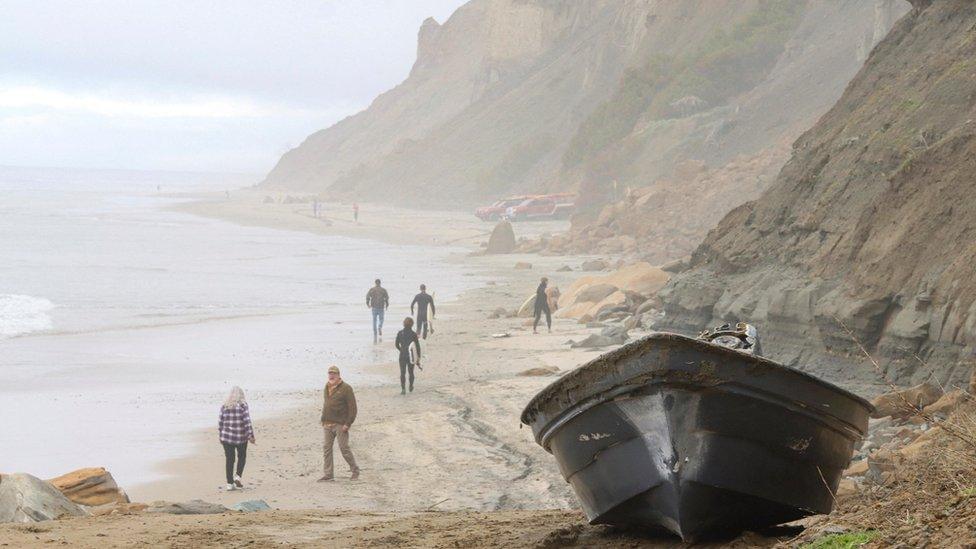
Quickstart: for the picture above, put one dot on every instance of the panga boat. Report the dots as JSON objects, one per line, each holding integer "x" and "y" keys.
{"x": 700, "y": 437}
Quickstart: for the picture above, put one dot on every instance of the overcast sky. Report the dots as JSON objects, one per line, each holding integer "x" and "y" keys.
{"x": 198, "y": 85}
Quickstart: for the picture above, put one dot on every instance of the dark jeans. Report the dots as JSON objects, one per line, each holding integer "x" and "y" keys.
{"x": 405, "y": 366}
{"x": 422, "y": 325}
{"x": 538, "y": 315}
{"x": 229, "y": 459}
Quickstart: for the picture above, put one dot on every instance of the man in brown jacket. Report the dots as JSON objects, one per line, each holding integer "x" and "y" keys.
{"x": 338, "y": 413}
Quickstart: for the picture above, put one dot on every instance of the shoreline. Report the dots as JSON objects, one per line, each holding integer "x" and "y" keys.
{"x": 456, "y": 441}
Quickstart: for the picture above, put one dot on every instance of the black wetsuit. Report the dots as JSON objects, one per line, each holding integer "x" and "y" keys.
{"x": 404, "y": 338}
{"x": 422, "y": 300}
{"x": 542, "y": 306}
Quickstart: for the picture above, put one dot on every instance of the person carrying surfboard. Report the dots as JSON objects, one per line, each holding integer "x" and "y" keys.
{"x": 404, "y": 339}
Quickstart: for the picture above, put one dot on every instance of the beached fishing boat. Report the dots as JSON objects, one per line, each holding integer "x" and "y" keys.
{"x": 700, "y": 437}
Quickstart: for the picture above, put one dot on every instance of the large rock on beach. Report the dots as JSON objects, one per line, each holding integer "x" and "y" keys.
{"x": 26, "y": 498}
{"x": 595, "y": 293}
{"x": 502, "y": 240}
{"x": 91, "y": 486}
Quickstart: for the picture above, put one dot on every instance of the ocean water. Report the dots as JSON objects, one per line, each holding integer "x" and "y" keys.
{"x": 123, "y": 324}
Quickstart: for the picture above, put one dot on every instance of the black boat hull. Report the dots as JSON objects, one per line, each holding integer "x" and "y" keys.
{"x": 695, "y": 439}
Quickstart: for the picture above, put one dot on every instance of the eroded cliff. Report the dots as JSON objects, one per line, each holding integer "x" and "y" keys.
{"x": 870, "y": 225}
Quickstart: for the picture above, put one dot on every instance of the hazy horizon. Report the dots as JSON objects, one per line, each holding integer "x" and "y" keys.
{"x": 186, "y": 87}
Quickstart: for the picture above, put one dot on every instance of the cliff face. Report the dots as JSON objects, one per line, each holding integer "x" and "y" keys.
{"x": 870, "y": 224}
{"x": 531, "y": 95}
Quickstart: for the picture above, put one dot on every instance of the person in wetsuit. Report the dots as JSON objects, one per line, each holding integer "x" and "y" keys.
{"x": 378, "y": 300}
{"x": 542, "y": 306}
{"x": 404, "y": 339}
{"x": 422, "y": 300}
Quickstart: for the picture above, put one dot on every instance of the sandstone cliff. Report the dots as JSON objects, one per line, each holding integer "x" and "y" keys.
{"x": 870, "y": 224}
{"x": 531, "y": 95}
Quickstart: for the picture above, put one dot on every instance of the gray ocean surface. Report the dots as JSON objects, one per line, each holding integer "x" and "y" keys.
{"x": 123, "y": 324}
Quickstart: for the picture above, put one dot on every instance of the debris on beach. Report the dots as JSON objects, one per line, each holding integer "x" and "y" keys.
{"x": 699, "y": 437}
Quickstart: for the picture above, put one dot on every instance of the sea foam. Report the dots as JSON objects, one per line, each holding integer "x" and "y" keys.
{"x": 23, "y": 314}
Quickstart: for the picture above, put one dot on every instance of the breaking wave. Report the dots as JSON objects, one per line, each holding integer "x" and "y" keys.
{"x": 23, "y": 314}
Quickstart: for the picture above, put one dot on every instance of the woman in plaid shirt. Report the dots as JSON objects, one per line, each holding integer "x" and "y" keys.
{"x": 235, "y": 432}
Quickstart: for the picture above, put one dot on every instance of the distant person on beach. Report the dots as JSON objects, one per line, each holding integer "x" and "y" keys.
{"x": 422, "y": 301}
{"x": 542, "y": 306}
{"x": 378, "y": 300}
{"x": 355, "y": 212}
{"x": 338, "y": 413}
{"x": 235, "y": 432}
{"x": 404, "y": 339}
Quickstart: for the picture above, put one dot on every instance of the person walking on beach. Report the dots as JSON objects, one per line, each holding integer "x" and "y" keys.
{"x": 355, "y": 212}
{"x": 338, "y": 413}
{"x": 235, "y": 431}
{"x": 422, "y": 300}
{"x": 378, "y": 300}
{"x": 404, "y": 339}
{"x": 542, "y": 306}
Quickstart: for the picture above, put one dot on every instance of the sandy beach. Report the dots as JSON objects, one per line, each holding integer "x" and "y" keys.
{"x": 455, "y": 443}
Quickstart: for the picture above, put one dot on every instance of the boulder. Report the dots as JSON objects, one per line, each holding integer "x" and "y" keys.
{"x": 596, "y": 340}
{"x": 522, "y": 266}
{"x": 595, "y": 293}
{"x": 251, "y": 506}
{"x": 846, "y": 488}
{"x": 502, "y": 239}
{"x": 614, "y": 300}
{"x": 539, "y": 372}
{"x": 616, "y": 332}
{"x": 92, "y": 486}
{"x": 947, "y": 403}
{"x": 857, "y": 469}
{"x": 676, "y": 265}
{"x": 192, "y": 507}
{"x": 564, "y": 269}
{"x": 631, "y": 322}
{"x": 26, "y": 498}
{"x": 594, "y": 265}
{"x": 642, "y": 278}
{"x": 569, "y": 296}
{"x": 899, "y": 403}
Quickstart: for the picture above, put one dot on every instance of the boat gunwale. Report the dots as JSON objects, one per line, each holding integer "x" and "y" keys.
{"x": 535, "y": 405}
{"x": 627, "y": 390}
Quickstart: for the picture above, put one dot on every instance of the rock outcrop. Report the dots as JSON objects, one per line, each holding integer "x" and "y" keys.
{"x": 692, "y": 103}
{"x": 26, "y": 498}
{"x": 866, "y": 236}
{"x": 502, "y": 239}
